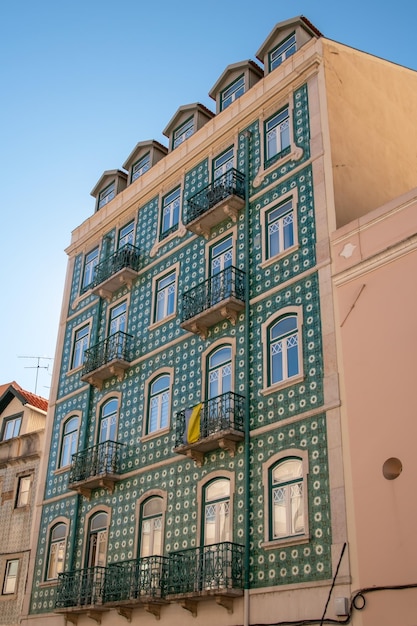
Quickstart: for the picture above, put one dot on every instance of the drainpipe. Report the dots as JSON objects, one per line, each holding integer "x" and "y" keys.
{"x": 82, "y": 439}
{"x": 246, "y": 585}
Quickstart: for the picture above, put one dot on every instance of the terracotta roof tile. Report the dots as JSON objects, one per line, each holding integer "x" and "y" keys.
{"x": 27, "y": 396}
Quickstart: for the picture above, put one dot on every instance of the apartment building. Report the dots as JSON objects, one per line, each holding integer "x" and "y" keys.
{"x": 22, "y": 426}
{"x": 194, "y": 470}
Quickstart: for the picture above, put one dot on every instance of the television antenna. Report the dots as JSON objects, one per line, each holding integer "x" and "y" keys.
{"x": 38, "y": 365}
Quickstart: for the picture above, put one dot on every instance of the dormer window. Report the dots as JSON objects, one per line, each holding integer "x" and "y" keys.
{"x": 234, "y": 91}
{"x": 183, "y": 132}
{"x": 107, "y": 194}
{"x": 110, "y": 184}
{"x": 282, "y": 52}
{"x": 141, "y": 166}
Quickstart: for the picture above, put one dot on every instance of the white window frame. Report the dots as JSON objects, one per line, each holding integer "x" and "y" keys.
{"x": 72, "y": 438}
{"x": 185, "y": 130}
{"x": 56, "y": 551}
{"x": 171, "y": 207}
{"x": 232, "y": 92}
{"x": 148, "y": 495}
{"x": 141, "y": 166}
{"x": 10, "y": 579}
{"x": 16, "y": 422}
{"x": 79, "y": 346}
{"x": 267, "y": 258}
{"x": 282, "y": 51}
{"x": 278, "y": 126}
{"x": 161, "y": 402}
{"x": 269, "y": 386}
{"x": 293, "y": 154}
{"x": 126, "y": 235}
{"x": 90, "y": 262}
{"x": 271, "y": 542}
{"x": 106, "y": 195}
{"x": 24, "y": 486}
{"x": 156, "y": 290}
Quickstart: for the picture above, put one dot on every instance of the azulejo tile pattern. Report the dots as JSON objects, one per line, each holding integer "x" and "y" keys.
{"x": 150, "y": 463}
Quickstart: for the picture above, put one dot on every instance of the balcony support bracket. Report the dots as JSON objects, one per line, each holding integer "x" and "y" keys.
{"x": 154, "y": 609}
{"x": 226, "y": 602}
{"x": 190, "y": 605}
{"x": 228, "y": 444}
{"x": 72, "y": 618}
{"x": 125, "y": 612}
{"x": 197, "y": 456}
{"x": 230, "y": 314}
{"x": 95, "y": 615}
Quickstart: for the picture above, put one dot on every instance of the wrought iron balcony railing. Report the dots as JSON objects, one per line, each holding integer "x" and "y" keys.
{"x": 137, "y": 580}
{"x": 229, "y": 184}
{"x": 127, "y": 257}
{"x": 206, "y": 570}
{"x": 217, "y": 415}
{"x": 80, "y": 588}
{"x": 218, "y": 297}
{"x": 99, "y": 460}
{"x": 108, "y": 358}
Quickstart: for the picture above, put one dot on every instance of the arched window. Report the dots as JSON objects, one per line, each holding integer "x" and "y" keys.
{"x": 284, "y": 349}
{"x": 287, "y": 498}
{"x": 217, "y": 518}
{"x": 97, "y": 540}
{"x": 151, "y": 527}
{"x": 159, "y": 403}
{"x": 69, "y": 441}
{"x": 56, "y": 555}
{"x": 219, "y": 372}
{"x": 108, "y": 421}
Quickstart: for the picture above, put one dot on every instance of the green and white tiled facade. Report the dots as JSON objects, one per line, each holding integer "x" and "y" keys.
{"x": 285, "y": 418}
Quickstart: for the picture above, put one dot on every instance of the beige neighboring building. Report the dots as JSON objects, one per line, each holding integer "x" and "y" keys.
{"x": 22, "y": 426}
{"x": 375, "y": 266}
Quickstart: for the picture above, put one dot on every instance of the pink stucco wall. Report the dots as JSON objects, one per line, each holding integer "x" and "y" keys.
{"x": 374, "y": 276}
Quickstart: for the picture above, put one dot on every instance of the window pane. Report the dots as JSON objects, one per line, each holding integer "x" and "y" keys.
{"x": 10, "y": 576}
{"x": 90, "y": 263}
{"x": 81, "y": 340}
{"x": 23, "y": 491}
{"x": 141, "y": 166}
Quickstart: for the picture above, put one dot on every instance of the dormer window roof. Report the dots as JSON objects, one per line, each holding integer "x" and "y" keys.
{"x": 110, "y": 184}
{"x": 236, "y": 79}
{"x": 284, "y": 40}
{"x": 144, "y": 155}
{"x": 187, "y": 120}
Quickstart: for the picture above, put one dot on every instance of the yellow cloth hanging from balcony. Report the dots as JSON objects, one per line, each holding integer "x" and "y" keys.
{"x": 192, "y": 426}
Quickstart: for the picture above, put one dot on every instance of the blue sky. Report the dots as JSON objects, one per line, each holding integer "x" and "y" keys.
{"x": 82, "y": 83}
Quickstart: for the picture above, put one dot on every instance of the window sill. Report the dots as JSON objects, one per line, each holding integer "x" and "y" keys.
{"x": 278, "y": 257}
{"x": 49, "y": 583}
{"x": 282, "y": 384}
{"x": 294, "y": 155}
{"x": 164, "y": 320}
{"x": 62, "y": 470}
{"x": 155, "y": 433}
{"x": 285, "y": 541}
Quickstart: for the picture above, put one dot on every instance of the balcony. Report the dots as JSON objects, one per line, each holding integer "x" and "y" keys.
{"x": 137, "y": 583}
{"x": 220, "y": 297}
{"x": 118, "y": 269}
{"x": 220, "y": 200}
{"x": 110, "y": 357}
{"x": 81, "y": 591}
{"x": 208, "y": 571}
{"x": 95, "y": 467}
{"x": 220, "y": 426}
